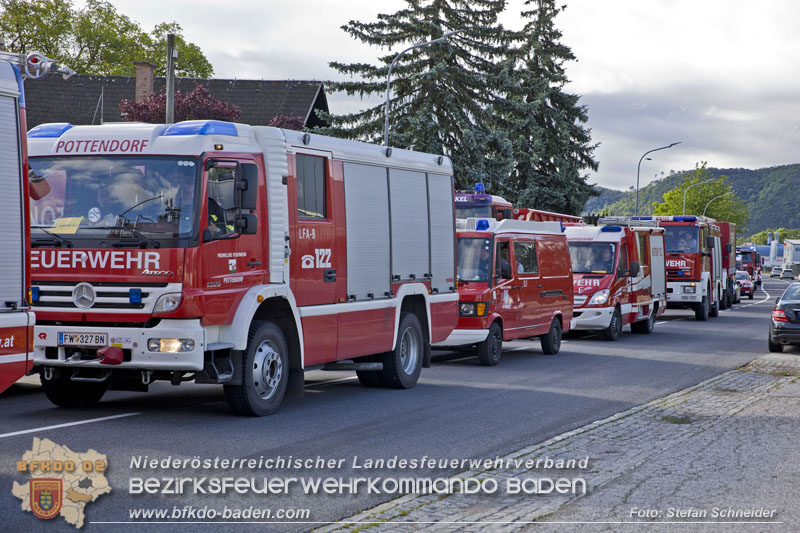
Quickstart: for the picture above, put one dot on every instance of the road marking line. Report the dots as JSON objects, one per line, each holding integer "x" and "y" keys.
{"x": 68, "y": 424}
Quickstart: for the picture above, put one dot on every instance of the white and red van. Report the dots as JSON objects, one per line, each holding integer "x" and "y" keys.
{"x": 514, "y": 281}
{"x": 619, "y": 276}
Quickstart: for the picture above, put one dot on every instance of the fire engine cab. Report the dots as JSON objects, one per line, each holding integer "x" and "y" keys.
{"x": 478, "y": 204}
{"x": 619, "y": 275}
{"x": 514, "y": 281}
{"x": 237, "y": 255}
{"x": 694, "y": 264}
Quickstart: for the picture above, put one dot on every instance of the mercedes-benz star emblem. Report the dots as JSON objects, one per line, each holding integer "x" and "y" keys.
{"x": 83, "y": 296}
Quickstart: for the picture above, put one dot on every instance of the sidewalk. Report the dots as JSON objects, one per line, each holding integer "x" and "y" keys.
{"x": 731, "y": 443}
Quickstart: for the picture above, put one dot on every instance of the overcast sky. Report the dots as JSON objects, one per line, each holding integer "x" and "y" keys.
{"x": 721, "y": 76}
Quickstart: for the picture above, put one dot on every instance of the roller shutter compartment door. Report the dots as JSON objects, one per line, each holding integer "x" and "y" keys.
{"x": 440, "y": 197}
{"x": 11, "y": 234}
{"x": 410, "y": 231}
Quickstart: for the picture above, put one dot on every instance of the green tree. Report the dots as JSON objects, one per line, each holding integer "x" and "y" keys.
{"x": 784, "y": 233}
{"x": 546, "y": 125}
{"x": 442, "y": 94}
{"x": 706, "y": 196}
{"x": 95, "y": 39}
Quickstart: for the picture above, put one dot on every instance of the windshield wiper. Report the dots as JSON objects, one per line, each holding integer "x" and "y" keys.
{"x": 142, "y": 238}
{"x": 140, "y": 203}
{"x": 58, "y": 240}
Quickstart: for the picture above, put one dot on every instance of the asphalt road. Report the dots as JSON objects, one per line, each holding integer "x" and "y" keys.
{"x": 459, "y": 410}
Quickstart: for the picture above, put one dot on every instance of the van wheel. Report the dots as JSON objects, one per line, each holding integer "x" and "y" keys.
{"x": 701, "y": 310}
{"x": 491, "y": 349}
{"x": 774, "y": 346}
{"x": 64, "y": 392}
{"x": 402, "y": 366}
{"x": 265, "y": 372}
{"x": 551, "y": 343}
{"x": 614, "y": 329}
{"x": 645, "y": 326}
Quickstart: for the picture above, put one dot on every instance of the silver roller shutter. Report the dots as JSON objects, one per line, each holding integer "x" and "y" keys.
{"x": 410, "y": 235}
{"x": 440, "y": 195}
{"x": 11, "y": 257}
{"x": 367, "y": 214}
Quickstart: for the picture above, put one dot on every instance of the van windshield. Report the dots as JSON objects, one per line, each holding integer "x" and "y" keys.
{"x": 474, "y": 259}
{"x": 592, "y": 257}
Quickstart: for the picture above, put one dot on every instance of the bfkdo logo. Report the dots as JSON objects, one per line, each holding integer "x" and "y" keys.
{"x": 60, "y": 482}
{"x": 46, "y": 497}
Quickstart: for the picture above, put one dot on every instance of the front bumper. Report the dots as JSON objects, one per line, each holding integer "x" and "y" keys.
{"x": 133, "y": 342}
{"x": 592, "y": 318}
{"x": 675, "y": 293}
{"x": 461, "y": 337}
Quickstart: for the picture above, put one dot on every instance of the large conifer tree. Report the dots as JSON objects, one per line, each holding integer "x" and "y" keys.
{"x": 545, "y": 124}
{"x": 442, "y": 94}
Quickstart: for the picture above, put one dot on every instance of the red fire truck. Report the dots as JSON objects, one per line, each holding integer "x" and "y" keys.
{"x": 619, "y": 275}
{"x": 750, "y": 260}
{"x": 480, "y": 205}
{"x": 727, "y": 237}
{"x": 695, "y": 277}
{"x": 514, "y": 281}
{"x": 16, "y": 321}
{"x": 237, "y": 255}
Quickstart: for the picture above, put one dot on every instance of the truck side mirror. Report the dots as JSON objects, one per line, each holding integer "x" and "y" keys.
{"x": 728, "y": 248}
{"x": 247, "y": 186}
{"x": 634, "y": 269}
{"x": 246, "y": 223}
{"x": 709, "y": 241}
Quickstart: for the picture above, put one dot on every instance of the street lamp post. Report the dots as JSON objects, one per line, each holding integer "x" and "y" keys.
{"x": 639, "y": 166}
{"x": 716, "y": 197}
{"x": 683, "y": 212}
{"x": 389, "y": 79}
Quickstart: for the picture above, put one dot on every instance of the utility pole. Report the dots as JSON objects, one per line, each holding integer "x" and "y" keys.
{"x": 172, "y": 54}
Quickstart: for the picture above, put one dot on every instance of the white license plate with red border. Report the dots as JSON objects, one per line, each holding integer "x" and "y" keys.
{"x": 82, "y": 339}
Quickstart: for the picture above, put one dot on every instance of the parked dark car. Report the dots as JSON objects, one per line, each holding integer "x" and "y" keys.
{"x": 748, "y": 287}
{"x": 784, "y": 326}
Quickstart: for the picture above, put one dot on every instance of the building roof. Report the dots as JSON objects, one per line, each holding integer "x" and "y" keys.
{"x": 78, "y": 99}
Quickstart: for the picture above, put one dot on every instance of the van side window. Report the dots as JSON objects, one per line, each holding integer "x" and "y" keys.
{"x": 623, "y": 257}
{"x": 311, "y": 190}
{"x": 502, "y": 257}
{"x": 221, "y": 206}
{"x": 643, "y": 255}
{"x": 525, "y": 253}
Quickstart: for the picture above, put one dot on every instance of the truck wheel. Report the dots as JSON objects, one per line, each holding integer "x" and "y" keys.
{"x": 614, "y": 329}
{"x": 723, "y": 302}
{"x": 713, "y": 311}
{"x": 750, "y": 296}
{"x": 774, "y": 346}
{"x": 491, "y": 349}
{"x": 66, "y": 393}
{"x": 551, "y": 343}
{"x": 265, "y": 372}
{"x": 369, "y": 378}
{"x": 729, "y": 294}
{"x": 701, "y": 310}
{"x": 645, "y": 326}
{"x": 402, "y": 366}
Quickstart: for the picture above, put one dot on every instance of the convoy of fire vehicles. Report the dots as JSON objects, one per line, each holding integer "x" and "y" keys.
{"x": 243, "y": 255}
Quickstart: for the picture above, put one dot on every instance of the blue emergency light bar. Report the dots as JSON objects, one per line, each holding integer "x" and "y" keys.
{"x": 202, "y": 127}
{"x": 611, "y": 228}
{"x": 480, "y": 188}
{"x": 688, "y": 218}
{"x": 53, "y": 130}
{"x": 482, "y": 225}
{"x": 641, "y": 218}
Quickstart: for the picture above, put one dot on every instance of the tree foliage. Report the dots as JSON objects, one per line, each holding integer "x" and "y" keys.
{"x": 551, "y": 145}
{"x": 286, "y": 122}
{"x": 95, "y": 39}
{"x": 198, "y": 104}
{"x": 716, "y": 198}
{"x": 442, "y": 95}
{"x": 784, "y": 233}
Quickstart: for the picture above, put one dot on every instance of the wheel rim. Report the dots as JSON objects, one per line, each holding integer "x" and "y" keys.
{"x": 555, "y": 336}
{"x": 495, "y": 347}
{"x": 267, "y": 370}
{"x": 409, "y": 350}
{"x": 617, "y": 324}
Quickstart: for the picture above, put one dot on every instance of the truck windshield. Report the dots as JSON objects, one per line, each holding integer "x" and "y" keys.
{"x": 747, "y": 257}
{"x": 474, "y": 259}
{"x": 681, "y": 239}
{"x": 474, "y": 211}
{"x": 84, "y": 197}
{"x": 592, "y": 257}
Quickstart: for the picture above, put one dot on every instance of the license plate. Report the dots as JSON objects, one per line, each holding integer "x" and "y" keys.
{"x": 82, "y": 339}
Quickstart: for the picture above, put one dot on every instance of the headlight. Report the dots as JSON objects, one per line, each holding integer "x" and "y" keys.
{"x": 167, "y": 303}
{"x": 691, "y": 289}
{"x": 472, "y": 308}
{"x": 599, "y": 298}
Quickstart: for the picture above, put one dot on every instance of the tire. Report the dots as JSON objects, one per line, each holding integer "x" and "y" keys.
{"x": 773, "y": 346}
{"x": 750, "y": 296}
{"x": 723, "y": 302}
{"x": 701, "y": 310}
{"x": 368, "y": 378}
{"x": 645, "y": 327}
{"x": 66, "y": 393}
{"x": 265, "y": 372}
{"x": 614, "y": 329}
{"x": 713, "y": 311}
{"x": 403, "y": 365}
{"x": 491, "y": 350}
{"x": 551, "y": 342}
{"x": 729, "y": 294}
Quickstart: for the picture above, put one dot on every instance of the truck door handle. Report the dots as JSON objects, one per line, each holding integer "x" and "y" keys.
{"x": 254, "y": 263}
{"x": 539, "y": 286}
{"x": 329, "y": 275}
{"x": 516, "y": 286}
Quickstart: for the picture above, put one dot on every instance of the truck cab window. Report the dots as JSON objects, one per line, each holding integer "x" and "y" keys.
{"x": 221, "y": 206}
{"x": 311, "y": 190}
{"x": 525, "y": 254}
